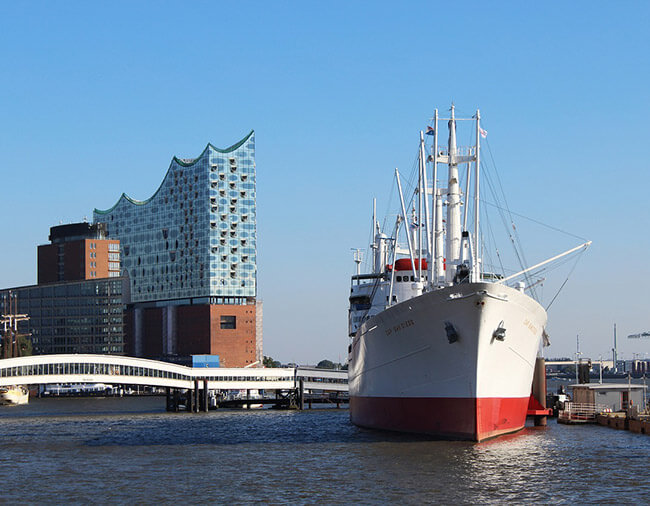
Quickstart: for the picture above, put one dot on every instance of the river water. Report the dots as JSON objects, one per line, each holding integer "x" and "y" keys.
{"x": 130, "y": 450}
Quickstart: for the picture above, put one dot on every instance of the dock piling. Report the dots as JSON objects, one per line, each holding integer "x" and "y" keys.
{"x": 196, "y": 395}
{"x": 301, "y": 395}
{"x": 539, "y": 389}
{"x": 206, "y": 396}
{"x": 169, "y": 400}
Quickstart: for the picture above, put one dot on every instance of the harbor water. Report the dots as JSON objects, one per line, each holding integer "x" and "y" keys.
{"x": 129, "y": 450}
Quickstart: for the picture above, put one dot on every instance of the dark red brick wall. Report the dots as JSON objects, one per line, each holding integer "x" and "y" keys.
{"x": 193, "y": 330}
{"x": 199, "y": 332}
{"x": 235, "y": 347}
{"x": 152, "y": 332}
{"x": 48, "y": 263}
{"x": 101, "y": 258}
{"x": 74, "y": 267}
{"x": 76, "y": 260}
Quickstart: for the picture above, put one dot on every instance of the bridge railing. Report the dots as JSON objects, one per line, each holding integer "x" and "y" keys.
{"x": 113, "y": 369}
{"x": 85, "y": 368}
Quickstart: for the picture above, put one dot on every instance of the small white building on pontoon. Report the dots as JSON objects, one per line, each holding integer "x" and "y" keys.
{"x": 617, "y": 396}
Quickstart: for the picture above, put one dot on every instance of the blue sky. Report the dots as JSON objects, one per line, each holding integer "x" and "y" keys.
{"x": 95, "y": 99}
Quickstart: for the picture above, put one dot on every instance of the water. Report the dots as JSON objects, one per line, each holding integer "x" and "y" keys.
{"x": 130, "y": 450}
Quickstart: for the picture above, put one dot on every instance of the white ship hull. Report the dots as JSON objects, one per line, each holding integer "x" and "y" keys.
{"x": 406, "y": 375}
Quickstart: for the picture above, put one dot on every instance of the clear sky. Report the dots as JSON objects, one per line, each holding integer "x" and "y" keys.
{"x": 96, "y": 98}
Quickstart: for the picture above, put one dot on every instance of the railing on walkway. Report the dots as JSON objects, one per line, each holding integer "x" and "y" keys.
{"x": 581, "y": 412}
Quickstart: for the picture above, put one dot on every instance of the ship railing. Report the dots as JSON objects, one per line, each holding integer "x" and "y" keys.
{"x": 582, "y": 411}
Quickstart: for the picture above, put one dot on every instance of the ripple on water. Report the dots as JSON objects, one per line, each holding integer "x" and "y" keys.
{"x": 130, "y": 450}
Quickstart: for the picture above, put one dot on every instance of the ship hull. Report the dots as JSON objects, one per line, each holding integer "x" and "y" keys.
{"x": 409, "y": 372}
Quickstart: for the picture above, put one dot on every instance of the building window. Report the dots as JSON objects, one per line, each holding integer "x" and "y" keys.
{"x": 228, "y": 322}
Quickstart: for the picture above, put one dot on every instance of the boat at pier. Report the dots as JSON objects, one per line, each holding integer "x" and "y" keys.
{"x": 439, "y": 345}
{"x": 13, "y": 395}
{"x": 78, "y": 389}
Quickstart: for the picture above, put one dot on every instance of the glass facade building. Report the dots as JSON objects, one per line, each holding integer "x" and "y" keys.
{"x": 195, "y": 238}
{"x": 73, "y": 317}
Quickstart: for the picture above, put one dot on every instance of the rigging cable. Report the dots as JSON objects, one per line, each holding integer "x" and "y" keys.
{"x": 538, "y": 222}
{"x": 488, "y": 178}
{"x": 378, "y": 280}
{"x": 567, "y": 278}
{"x": 505, "y": 201}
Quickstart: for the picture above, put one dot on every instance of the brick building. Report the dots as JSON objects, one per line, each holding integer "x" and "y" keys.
{"x": 78, "y": 251}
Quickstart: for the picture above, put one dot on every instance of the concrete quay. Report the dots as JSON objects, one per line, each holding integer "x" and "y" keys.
{"x": 620, "y": 421}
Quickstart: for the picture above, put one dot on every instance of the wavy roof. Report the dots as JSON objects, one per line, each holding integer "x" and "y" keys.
{"x": 180, "y": 162}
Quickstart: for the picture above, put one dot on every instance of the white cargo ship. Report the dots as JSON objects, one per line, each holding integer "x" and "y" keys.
{"x": 438, "y": 346}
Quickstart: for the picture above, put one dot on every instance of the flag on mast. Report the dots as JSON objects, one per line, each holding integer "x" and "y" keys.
{"x": 483, "y": 132}
{"x": 430, "y": 131}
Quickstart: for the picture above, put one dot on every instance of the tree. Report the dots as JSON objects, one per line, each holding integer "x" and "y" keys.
{"x": 269, "y": 362}
{"x": 24, "y": 345}
{"x": 22, "y": 348}
{"x": 326, "y": 364}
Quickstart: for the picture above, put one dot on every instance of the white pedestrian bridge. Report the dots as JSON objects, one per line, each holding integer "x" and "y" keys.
{"x": 118, "y": 370}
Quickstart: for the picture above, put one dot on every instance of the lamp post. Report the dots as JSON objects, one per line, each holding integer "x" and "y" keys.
{"x": 577, "y": 358}
{"x": 601, "y": 369}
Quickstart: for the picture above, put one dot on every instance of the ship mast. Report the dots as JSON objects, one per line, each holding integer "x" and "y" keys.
{"x": 439, "y": 261}
{"x": 425, "y": 198}
{"x": 375, "y": 230}
{"x": 453, "y": 204}
{"x": 460, "y": 247}
{"x": 9, "y": 321}
{"x": 406, "y": 223}
{"x": 436, "y": 267}
{"x": 476, "y": 267}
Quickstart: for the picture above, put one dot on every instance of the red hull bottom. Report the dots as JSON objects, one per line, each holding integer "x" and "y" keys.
{"x": 457, "y": 418}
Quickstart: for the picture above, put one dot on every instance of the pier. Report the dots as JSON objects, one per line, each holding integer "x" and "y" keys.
{"x": 615, "y": 405}
{"x": 191, "y": 389}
